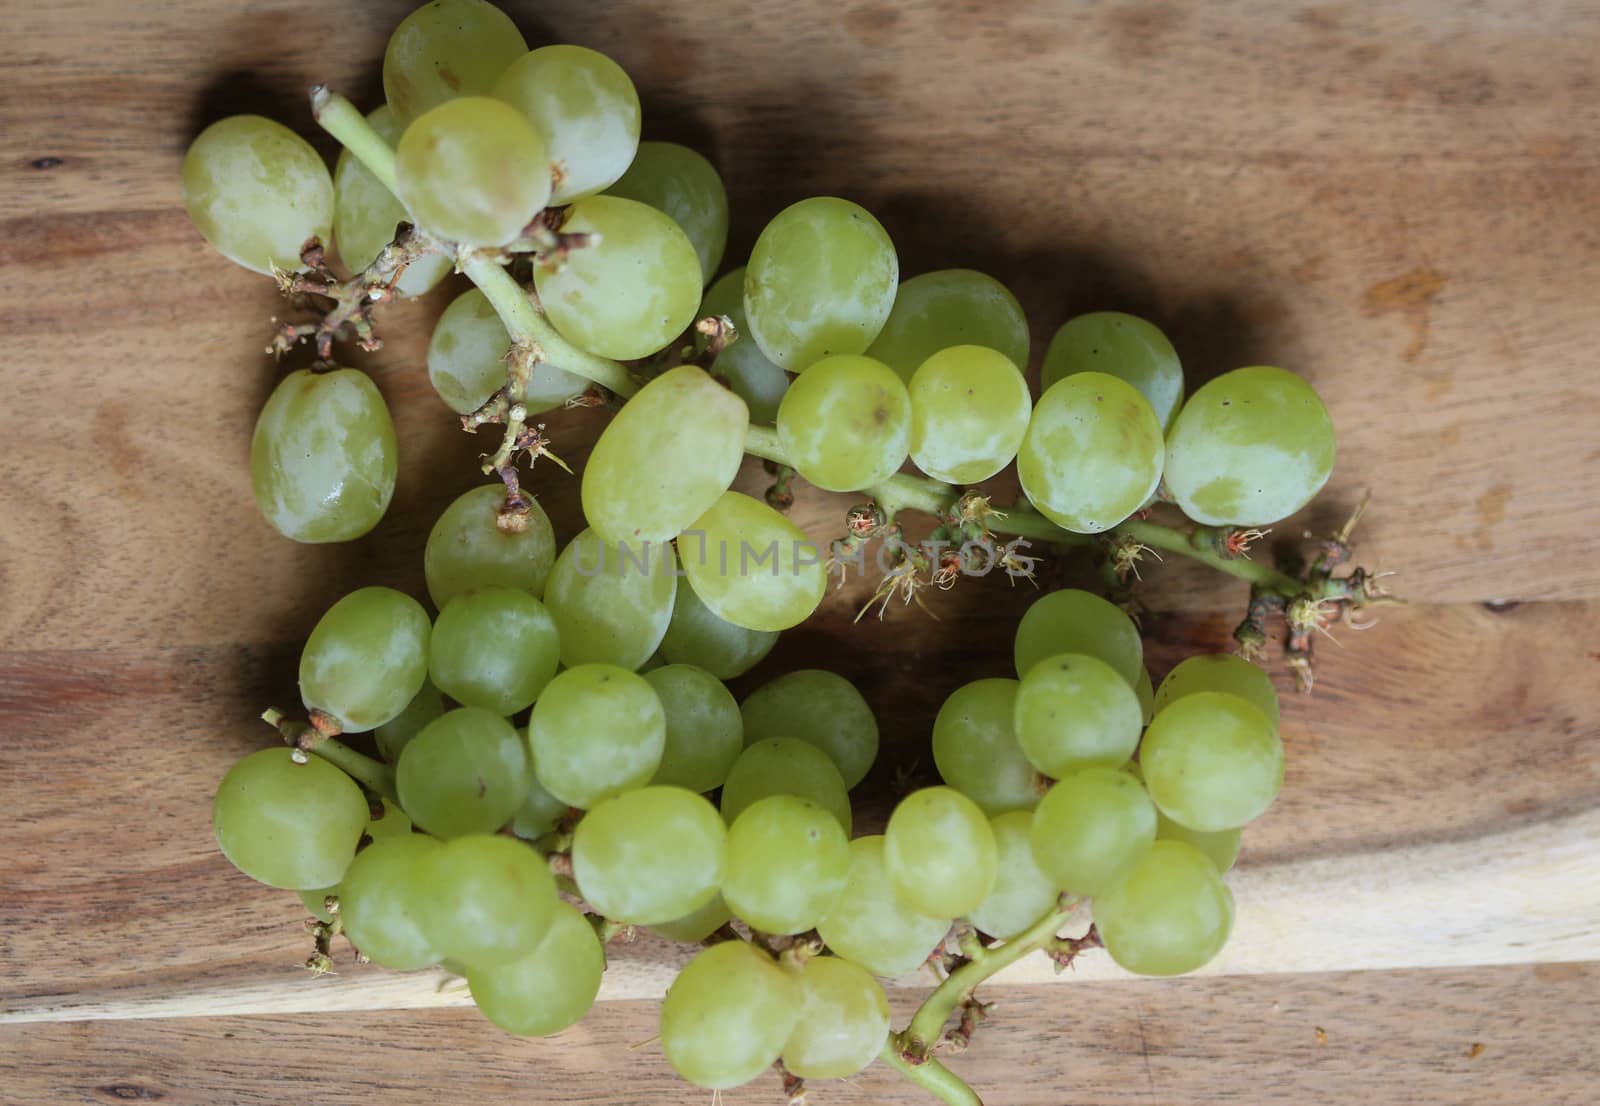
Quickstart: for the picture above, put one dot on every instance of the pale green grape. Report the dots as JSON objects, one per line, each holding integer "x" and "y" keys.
{"x": 1126, "y": 347}
{"x": 1249, "y": 448}
{"x": 366, "y": 658}
{"x": 749, "y": 372}
{"x": 820, "y": 708}
{"x": 611, "y": 603}
{"x": 1022, "y": 892}
{"x": 467, "y": 360}
{"x": 727, "y": 1015}
{"x": 845, "y": 423}
{"x": 951, "y": 307}
{"x": 394, "y": 735}
{"x": 495, "y": 648}
{"x": 751, "y": 566}
{"x": 1220, "y": 672}
{"x": 1075, "y": 711}
{"x": 872, "y": 925}
{"x": 1074, "y": 621}
{"x": 787, "y": 862}
{"x": 540, "y": 810}
{"x": 1212, "y": 761}
{"x": 445, "y": 49}
{"x": 317, "y": 902}
{"x": 585, "y": 107}
{"x": 705, "y": 733}
{"x": 697, "y": 636}
{"x": 975, "y": 748}
{"x": 844, "y": 1020}
{"x": 467, "y": 550}
{"x": 1220, "y": 846}
{"x": 1147, "y": 695}
{"x": 386, "y": 819}
{"x": 257, "y": 192}
{"x": 549, "y": 989}
{"x": 650, "y": 856}
{"x": 489, "y": 900}
{"x": 1170, "y": 915}
{"x": 696, "y": 925}
{"x": 969, "y": 411}
{"x": 630, "y": 292}
{"x": 821, "y": 281}
{"x": 665, "y": 458}
{"x": 939, "y": 852}
{"x": 380, "y": 903}
{"x": 1092, "y": 454}
{"x": 596, "y": 731}
{"x": 288, "y": 825}
{"x": 366, "y": 216}
{"x": 678, "y": 181}
{"x": 466, "y": 772}
{"x": 322, "y": 460}
{"x": 472, "y": 170}
{"x": 784, "y": 766}
{"x": 1091, "y": 828}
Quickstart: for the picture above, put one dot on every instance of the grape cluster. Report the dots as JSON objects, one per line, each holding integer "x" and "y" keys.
{"x": 559, "y": 756}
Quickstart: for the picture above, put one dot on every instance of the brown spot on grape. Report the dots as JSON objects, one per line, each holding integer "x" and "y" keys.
{"x": 450, "y": 79}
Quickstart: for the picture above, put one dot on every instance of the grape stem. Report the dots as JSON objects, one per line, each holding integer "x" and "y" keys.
{"x": 930, "y": 1075}
{"x": 374, "y": 775}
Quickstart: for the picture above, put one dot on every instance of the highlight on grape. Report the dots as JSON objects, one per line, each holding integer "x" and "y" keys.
{"x": 548, "y": 753}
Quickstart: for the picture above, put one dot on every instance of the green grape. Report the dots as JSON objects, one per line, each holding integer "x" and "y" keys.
{"x": 257, "y": 192}
{"x": 969, "y": 411}
{"x": 844, "y": 1020}
{"x": 585, "y": 107}
{"x": 727, "y": 1015}
{"x": 872, "y": 925}
{"x": 322, "y": 460}
{"x": 629, "y": 292}
{"x": 975, "y": 748}
{"x": 1091, "y": 828}
{"x": 549, "y": 989}
{"x": 489, "y": 900}
{"x": 1249, "y": 448}
{"x": 386, "y": 819}
{"x": 380, "y": 903}
{"x": 821, "y": 281}
{"x": 696, "y": 925}
{"x": 1124, "y": 346}
{"x": 1022, "y": 893}
{"x": 845, "y": 423}
{"x": 611, "y": 602}
{"x": 366, "y": 658}
{"x": 496, "y": 648}
{"x": 468, "y": 551}
{"x": 394, "y": 735}
{"x": 820, "y": 708}
{"x": 445, "y": 49}
{"x": 1147, "y": 695}
{"x": 1220, "y": 672}
{"x": 1074, "y": 621}
{"x": 704, "y": 731}
{"x": 288, "y": 825}
{"x": 650, "y": 856}
{"x": 1221, "y": 846}
{"x": 665, "y": 458}
{"x": 1092, "y": 454}
{"x": 1075, "y": 711}
{"x": 467, "y": 360}
{"x": 540, "y": 811}
{"x": 787, "y": 862}
{"x": 784, "y": 766}
{"x": 697, "y": 636}
{"x": 317, "y": 902}
{"x": 677, "y": 180}
{"x": 366, "y": 216}
{"x": 751, "y": 566}
{"x": 1170, "y": 915}
{"x": 748, "y": 371}
{"x": 1212, "y": 761}
{"x": 473, "y": 171}
{"x": 951, "y": 307}
{"x": 940, "y": 852}
{"x": 596, "y": 731}
{"x": 466, "y": 772}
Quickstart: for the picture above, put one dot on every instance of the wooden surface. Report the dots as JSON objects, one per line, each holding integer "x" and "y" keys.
{"x": 1397, "y": 201}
